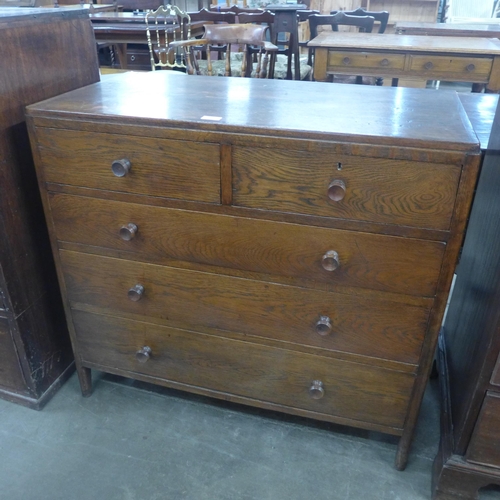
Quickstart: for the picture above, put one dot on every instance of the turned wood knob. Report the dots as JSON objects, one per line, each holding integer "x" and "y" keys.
{"x": 336, "y": 190}
{"x": 316, "y": 390}
{"x": 143, "y": 354}
{"x": 330, "y": 261}
{"x": 127, "y": 232}
{"x": 135, "y": 293}
{"x": 470, "y": 67}
{"x": 384, "y": 62}
{"x": 121, "y": 167}
{"x": 323, "y": 326}
{"x": 346, "y": 61}
{"x": 428, "y": 65}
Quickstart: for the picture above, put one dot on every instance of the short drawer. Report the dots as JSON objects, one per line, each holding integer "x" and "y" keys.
{"x": 484, "y": 447}
{"x": 344, "y": 258}
{"x": 158, "y": 167}
{"x": 365, "y": 60}
{"x": 469, "y": 67}
{"x": 348, "y": 187}
{"x": 231, "y": 367}
{"x": 196, "y": 300}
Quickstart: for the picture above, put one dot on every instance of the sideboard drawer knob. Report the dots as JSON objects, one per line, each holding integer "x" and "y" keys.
{"x": 135, "y": 293}
{"x": 128, "y": 231}
{"x": 470, "y": 67}
{"x": 323, "y": 326}
{"x": 384, "y": 62}
{"x": 121, "y": 167}
{"x": 143, "y": 354}
{"x": 316, "y": 390}
{"x": 330, "y": 261}
{"x": 346, "y": 61}
{"x": 336, "y": 190}
{"x": 428, "y": 65}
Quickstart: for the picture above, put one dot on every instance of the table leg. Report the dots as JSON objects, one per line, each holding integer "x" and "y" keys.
{"x": 320, "y": 60}
{"x": 493, "y": 84}
{"x": 121, "y": 49}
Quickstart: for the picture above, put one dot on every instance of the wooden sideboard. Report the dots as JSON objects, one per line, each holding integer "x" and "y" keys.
{"x": 469, "y": 350}
{"x": 209, "y": 239}
{"x": 45, "y": 52}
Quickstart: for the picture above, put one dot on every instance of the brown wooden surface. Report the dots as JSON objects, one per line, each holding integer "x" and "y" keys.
{"x": 289, "y": 250}
{"x": 246, "y": 369}
{"x": 37, "y": 46}
{"x": 254, "y": 271}
{"x": 448, "y": 29}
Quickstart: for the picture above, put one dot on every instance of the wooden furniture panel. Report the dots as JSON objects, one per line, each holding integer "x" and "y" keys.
{"x": 236, "y": 289}
{"x": 288, "y": 250}
{"x": 495, "y": 377}
{"x": 166, "y": 168}
{"x": 278, "y": 376}
{"x": 45, "y": 52}
{"x": 484, "y": 447}
{"x": 332, "y": 185}
{"x": 330, "y": 321}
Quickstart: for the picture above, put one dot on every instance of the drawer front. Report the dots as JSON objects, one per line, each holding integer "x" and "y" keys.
{"x": 484, "y": 447}
{"x": 195, "y": 300}
{"x": 158, "y": 167}
{"x": 279, "y": 376}
{"x": 471, "y": 67}
{"x": 11, "y": 376}
{"x": 365, "y": 260}
{"x": 367, "y": 60}
{"x": 370, "y": 189}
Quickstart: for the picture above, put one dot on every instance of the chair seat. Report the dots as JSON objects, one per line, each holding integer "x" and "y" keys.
{"x": 281, "y": 66}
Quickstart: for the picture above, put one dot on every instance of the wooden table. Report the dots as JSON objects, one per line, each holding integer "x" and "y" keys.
{"x": 448, "y": 29}
{"x": 457, "y": 59}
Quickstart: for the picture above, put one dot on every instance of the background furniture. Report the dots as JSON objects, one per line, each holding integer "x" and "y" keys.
{"x": 45, "y": 52}
{"x": 380, "y": 17}
{"x": 268, "y": 272}
{"x": 469, "y": 361}
{"x": 456, "y": 59}
{"x": 448, "y": 29}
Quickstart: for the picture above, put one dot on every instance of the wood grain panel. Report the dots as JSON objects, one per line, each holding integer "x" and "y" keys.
{"x": 377, "y": 190}
{"x": 159, "y": 167}
{"x": 11, "y": 376}
{"x": 366, "y": 260}
{"x": 360, "y": 325}
{"x": 277, "y": 375}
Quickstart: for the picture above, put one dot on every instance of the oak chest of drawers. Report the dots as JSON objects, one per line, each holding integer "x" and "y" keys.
{"x": 271, "y": 243}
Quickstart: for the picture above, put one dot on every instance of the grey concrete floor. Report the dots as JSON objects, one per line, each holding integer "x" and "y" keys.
{"x": 134, "y": 441}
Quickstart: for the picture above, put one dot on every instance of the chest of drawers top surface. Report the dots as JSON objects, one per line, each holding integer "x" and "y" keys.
{"x": 391, "y": 116}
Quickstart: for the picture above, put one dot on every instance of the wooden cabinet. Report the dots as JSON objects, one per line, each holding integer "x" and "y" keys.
{"x": 469, "y": 453}
{"x": 208, "y": 238}
{"x": 45, "y": 52}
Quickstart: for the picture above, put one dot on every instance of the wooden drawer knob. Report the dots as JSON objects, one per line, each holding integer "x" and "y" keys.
{"x": 316, "y": 390}
{"x": 428, "y": 65}
{"x": 330, "y": 261}
{"x": 135, "y": 293}
{"x": 127, "y": 232}
{"x": 121, "y": 167}
{"x": 470, "y": 67}
{"x": 336, "y": 190}
{"x": 384, "y": 62}
{"x": 323, "y": 326}
{"x": 346, "y": 61}
{"x": 143, "y": 354}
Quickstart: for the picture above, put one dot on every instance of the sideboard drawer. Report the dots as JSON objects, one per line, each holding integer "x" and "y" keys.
{"x": 365, "y": 260}
{"x": 327, "y": 320}
{"x": 365, "y": 60}
{"x": 245, "y": 369}
{"x": 474, "y": 67}
{"x": 347, "y": 187}
{"x": 484, "y": 447}
{"x": 158, "y": 167}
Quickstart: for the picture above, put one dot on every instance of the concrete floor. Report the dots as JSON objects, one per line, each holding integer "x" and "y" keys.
{"x": 134, "y": 441}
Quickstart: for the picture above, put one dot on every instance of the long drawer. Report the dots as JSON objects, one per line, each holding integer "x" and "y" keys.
{"x": 475, "y": 68}
{"x": 157, "y": 167}
{"x": 333, "y": 256}
{"x": 279, "y": 376}
{"x": 349, "y": 187}
{"x": 195, "y": 300}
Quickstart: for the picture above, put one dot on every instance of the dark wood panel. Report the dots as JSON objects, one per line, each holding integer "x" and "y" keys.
{"x": 11, "y": 375}
{"x": 190, "y": 299}
{"x": 375, "y": 190}
{"x": 366, "y": 260}
{"x": 350, "y": 390}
